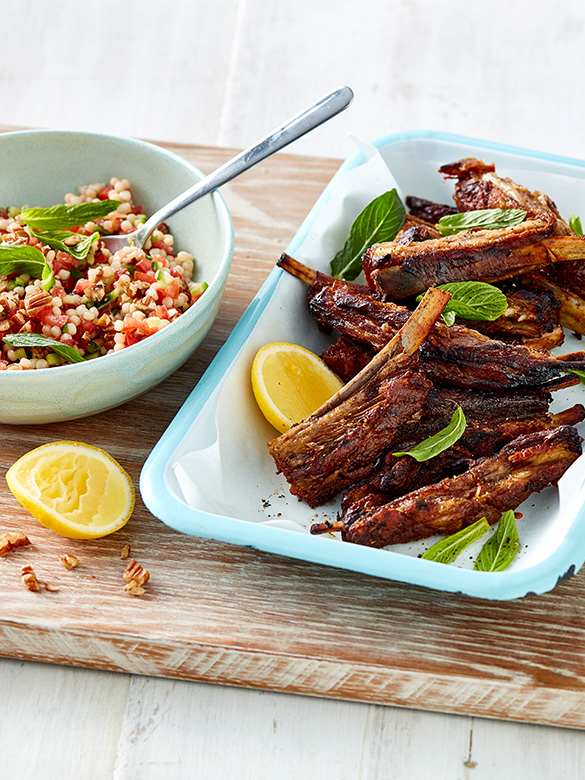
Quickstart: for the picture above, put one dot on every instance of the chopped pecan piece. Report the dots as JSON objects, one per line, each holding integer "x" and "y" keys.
{"x": 69, "y": 561}
{"x": 35, "y": 302}
{"x": 51, "y": 588}
{"x": 104, "y": 321}
{"x": 135, "y": 577}
{"x": 29, "y": 578}
{"x": 9, "y": 541}
{"x": 125, "y": 552}
{"x": 95, "y": 291}
{"x": 134, "y": 590}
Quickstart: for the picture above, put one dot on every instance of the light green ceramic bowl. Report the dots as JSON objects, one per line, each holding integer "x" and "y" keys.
{"x": 37, "y": 168}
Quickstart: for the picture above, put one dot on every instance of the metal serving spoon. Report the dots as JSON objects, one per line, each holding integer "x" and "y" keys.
{"x": 324, "y": 109}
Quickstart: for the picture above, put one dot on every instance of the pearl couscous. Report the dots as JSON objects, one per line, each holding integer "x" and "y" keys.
{"x": 86, "y": 299}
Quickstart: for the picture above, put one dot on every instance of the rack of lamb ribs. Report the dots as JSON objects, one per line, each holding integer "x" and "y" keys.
{"x": 406, "y": 371}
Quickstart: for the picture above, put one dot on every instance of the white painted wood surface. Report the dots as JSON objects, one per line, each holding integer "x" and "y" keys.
{"x": 223, "y": 73}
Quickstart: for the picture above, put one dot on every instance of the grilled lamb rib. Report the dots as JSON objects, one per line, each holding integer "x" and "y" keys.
{"x": 490, "y": 487}
{"x": 478, "y": 186}
{"x": 399, "y": 270}
{"x": 452, "y": 355}
{"x": 339, "y": 444}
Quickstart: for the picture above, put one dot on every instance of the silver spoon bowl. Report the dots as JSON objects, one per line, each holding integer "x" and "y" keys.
{"x": 313, "y": 116}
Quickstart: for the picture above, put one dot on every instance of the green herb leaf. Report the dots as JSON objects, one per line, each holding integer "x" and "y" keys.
{"x": 48, "y": 278}
{"x": 448, "y": 317}
{"x": 500, "y": 550}
{"x": 56, "y": 240}
{"x": 575, "y": 223}
{"x": 476, "y": 300}
{"x": 37, "y": 340}
{"x": 486, "y": 219}
{"x": 441, "y": 441}
{"x": 448, "y": 549}
{"x": 379, "y": 221}
{"x": 473, "y": 301}
{"x": 63, "y": 217}
{"x": 24, "y": 259}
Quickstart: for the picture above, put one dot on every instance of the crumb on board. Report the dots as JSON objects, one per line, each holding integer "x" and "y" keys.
{"x": 51, "y": 588}
{"x": 125, "y": 552}
{"x": 69, "y": 561}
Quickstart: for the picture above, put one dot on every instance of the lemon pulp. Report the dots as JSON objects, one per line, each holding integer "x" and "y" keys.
{"x": 75, "y": 489}
{"x": 290, "y": 383}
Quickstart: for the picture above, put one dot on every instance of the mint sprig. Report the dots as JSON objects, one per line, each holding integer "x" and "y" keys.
{"x": 472, "y": 301}
{"x": 446, "y": 550}
{"x": 439, "y": 442}
{"x": 57, "y": 239}
{"x": 25, "y": 259}
{"x": 379, "y": 221}
{"x": 500, "y": 550}
{"x": 484, "y": 219}
{"x": 37, "y": 340}
{"x": 63, "y": 217}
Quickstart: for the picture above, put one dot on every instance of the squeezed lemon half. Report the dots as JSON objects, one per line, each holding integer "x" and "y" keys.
{"x": 290, "y": 383}
{"x": 75, "y": 489}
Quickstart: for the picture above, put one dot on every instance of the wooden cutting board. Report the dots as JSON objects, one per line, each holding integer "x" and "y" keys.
{"x": 225, "y": 614}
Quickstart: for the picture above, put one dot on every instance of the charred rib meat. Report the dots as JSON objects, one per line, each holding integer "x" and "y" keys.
{"x": 338, "y": 445}
{"x": 427, "y": 210}
{"x": 482, "y": 438}
{"x": 453, "y": 355}
{"x": 399, "y": 270}
{"x": 531, "y": 315}
{"x": 490, "y": 487}
{"x": 479, "y": 187}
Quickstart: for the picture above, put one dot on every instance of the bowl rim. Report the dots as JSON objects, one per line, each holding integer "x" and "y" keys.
{"x": 215, "y": 286}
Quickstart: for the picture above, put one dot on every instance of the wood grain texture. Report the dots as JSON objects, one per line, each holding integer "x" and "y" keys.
{"x": 326, "y": 739}
{"x": 232, "y": 615}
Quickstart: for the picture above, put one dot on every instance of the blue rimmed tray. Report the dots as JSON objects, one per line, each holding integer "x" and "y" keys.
{"x": 210, "y": 474}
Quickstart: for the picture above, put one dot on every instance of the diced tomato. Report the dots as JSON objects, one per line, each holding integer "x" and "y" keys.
{"x": 64, "y": 262}
{"x": 138, "y": 275}
{"x": 44, "y": 312}
{"x": 161, "y": 312}
{"x": 85, "y": 331}
{"x": 81, "y": 286}
{"x": 175, "y": 272}
{"x": 172, "y": 290}
{"x": 105, "y": 193}
{"x": 54, "y": 319}
{"x": 144, "y": 265}
{"x": 136, "y": 330}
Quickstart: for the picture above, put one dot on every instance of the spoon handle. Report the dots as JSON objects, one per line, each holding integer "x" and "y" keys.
{"x": 313, "y": 116}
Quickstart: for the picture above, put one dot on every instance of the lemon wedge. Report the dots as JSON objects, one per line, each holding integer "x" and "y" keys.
{"x": 290, "y": 383}
{"x": 75, "y": 489}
